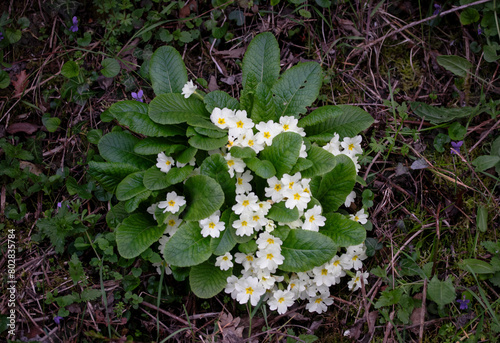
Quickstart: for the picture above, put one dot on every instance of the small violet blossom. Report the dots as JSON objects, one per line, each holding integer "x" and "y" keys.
{"x": 437, "y": 9}
{"x": 479, "y": 30}
{"x": 463, "y": 303}
{"x": 57, "y": 320}
{"x": 1, "y": 36}
{"x": 74, "y": 27}
{"x": 138, "y": 96}
{"x": 455, "y": 147}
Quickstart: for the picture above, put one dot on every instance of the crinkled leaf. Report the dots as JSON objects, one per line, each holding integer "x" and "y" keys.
{"x": 389, "y": 297}
{"x": 187, "y": 155}
{"x": 207, "y": 280}
{"x": 172, "y": 109}
{"x": 303, "y": 250}
{"x": 167, "y": 71}
{"x": 284, "y": 152}
{"x": 456, "y": 64}
{"x": 205, "y": 143}
{"x": 476, "y": 266}
{"x": 262, "y": 59}
{"x": 439, "y": 115}
{"x": 343, "y": 231}
{"x": 263, "y": 108}
{"x": 227, "y": 238}
{"x": 187, "y": 247}
{"x": 221, "y": 100}
{"x": 216, "y": 167}
{"x": 441, "y": 292}
{"x": 322, "y": 162}
{"x": 119, "y": 147}
{"x": 136, "y": 233}
{"x": 280, "y": 213}
{"x": 485, "y": 162}
{"x": 336, "y": 185}
{"x": 297, "y": 88}
{"x": 132, "y": 204}
{"x": 262, "y": 168}
{"x": 211, "y": 133}
{"x": 131, "y": 186}
{"x": 70, "y": 69}
{"x": 155, "y": 179}
{"x": 153, "y": 146}
{"x": 116, "y": 215}
{"x": 204, "y": 196}
{"x": 245, "y": 152}
{"x": 322, "y": 123}
{"x": 301, "y": 165}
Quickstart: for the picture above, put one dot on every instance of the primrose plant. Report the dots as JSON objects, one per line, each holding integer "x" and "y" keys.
{"x": 241, "y": 196}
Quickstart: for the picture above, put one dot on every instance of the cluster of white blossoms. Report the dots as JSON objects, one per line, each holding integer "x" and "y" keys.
{"x": 259, "y": 277}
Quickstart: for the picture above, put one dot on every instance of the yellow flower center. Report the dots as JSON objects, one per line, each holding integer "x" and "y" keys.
{"x": 239, "y": 124}
{"x": 280, "y": 300}
{"x": 249, "y": 258}
{"x": 269, "y": 256}
{"x": 292, "y": 285}
{"x": 324, "y": 272}
{"x": 246, "y": 203}
{"x": 230, "y": 163}
{"x": 211, "y": 225}
{"x": 244, "y": 223}
{"x": 171, "y": 203}
{"x": 311, "y": 219}
{"x": 286, "y": 127}
{"x": 255, "y": 218}
{"x": 296, "y": 196}
{"x": 277, "y": 187}
{"x": 171, "y": 222}
{"x": 267, "y": 135}
{"x": 249, "y": 290}
{"x": 240, "y": 181}
{"x": 355, "y": 257}
{"x": 290, "y": 185}
{"x": 350, "y": 147}
{"x": 336, "y": 263}
{"x": 168, "y": 163}
{"x": 221, "y": 121}
{"x": 356, "y": 218}
{"x": 270, "y": 241}
{"x": 225, "y": 258}
{"x": 250, "y": 143}
{"x": 319, "y": 300}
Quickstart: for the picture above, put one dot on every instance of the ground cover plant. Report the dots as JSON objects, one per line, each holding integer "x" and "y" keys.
{"x": 207, "y": 171}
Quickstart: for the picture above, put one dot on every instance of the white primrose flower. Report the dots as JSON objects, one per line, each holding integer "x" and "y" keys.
{"x": 192, "y": 162}
{"x": 266, "y": 279}
{"x": 173, "y": 223}
{"x": 246, "y": 260}
{"x": 162, "y": 265}
{"x": 266, "y": 240}
{"x": 336, "y": 266}
{"x": 240, "y": 124}
{"x": 173, "y": 203}
{"x": 324, "y": 275}
{"x": 360, "y": 217}
{"x": 243, "y": 182}
{"x": 352, "y": 146}
{"x": 244, "y": 226}
{"x": 319, "y": 303}
{"x": 297, "y": 285}
{"x": 355, "y": 283}
{"x": 230, "y": 287}
{"x": 356, "y": 249}
{"x": 212, "y": 226}
{"x": 296, "y": 197}
{"x": 188, "y": 89}
{"x": 235, "y": 164}
{"x": 267, "y": 132}
{"x": 164, "y": 162}
{"x": 258, "y": 220}
{"x": 163, "y": 241}
{"x": 264, "y": 207}
{"x": 289, "y": 124}
{"x": 333, "y": 146}
{"x": 313, "y": 219}
{"x": 222, "y": 118}
{"x": 224, "y": 261}
{"x": 151, "y": 210}
{"x": 249, "y": 288}
{"x": 246, "y": 203}
{"x": 303, "y": 152}
{"x": 290, "y": 180}
{"x": 275, "y": 189}
{"x": 270, "y": 226}
{"x": 269, "y": 259}
{"x": 350, "y": 199}
{"x": 281, "y": 300}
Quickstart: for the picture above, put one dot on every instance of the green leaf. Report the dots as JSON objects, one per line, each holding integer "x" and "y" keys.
{"x": 389, "y": 297}
{"x": 216, "y": 167}
{"x": 457, "y": 131}
{"x": 136, "y": 233}
{"x": 485, "y": 162}
{"x": 264, "y": 169}
{"x": 482, "y": 219}
{"x": 343, "y": 231}
{"x": 178, "y": 175}
{"x": 110, "y": 174}
{"x": 321, "y": 124}
{"x": 495, "y": 147}
{"x": 4, "y": 79}
{"x": 110, "y": 67}
{"x": 439, "y": 115}
{"x": 153, "y": 146}
{"x": 187, "y": 247}
{"x": 476, "y": 266}
{"x": 441, "y": 292}
{"x": 468, "y": 16}
{"x": 175, "y": 109}
{"x": 301, "y": 165}
{"x": 131, "y": 186}
{"x": 263, "y": 108}
{"x": 336, "y": 185}
{"x": 187, "y": 155}
{"x": 262, "y": 59}
{"x": 50, "y": 123}
{"x": 85, "y": 40}
{"x": 167, "y": 71}
{"x": 210, "y": 133}
{"x": 297, "y": 88}
{"x": 155, "y": 179}
{"x": 279, "y": 213}
{"x": 12, "y": 35}
{"x": 240, "y": 152}
{"x": 74, "y": 188}
{"x": 490, "y": 54}
{"x": 207, "y": 280}
{"x": 304, "y": 250}
{"x": 284, "y": 152}
{"x": 119, "y": 147}
{"x": 70, "y": 69}
{"x": 221, "y": 100}
{"x": 204, "y": 196}
{"x": 134, "y": 114}
{"x": 204, "y": 143}
{"x": 133, "y": 203}
{"x": 227, "y": 239}
{"x": 322, "y": 162}
{"x": 456, "y": 64}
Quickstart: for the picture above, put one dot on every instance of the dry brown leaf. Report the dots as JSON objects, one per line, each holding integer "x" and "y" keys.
{"x": 20, "y": 84}
{"x": 22, "y": 127}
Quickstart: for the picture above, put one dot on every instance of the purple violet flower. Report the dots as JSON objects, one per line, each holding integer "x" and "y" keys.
{"x": 1, "y": 36}
{"x": 58, "y": 319}
{"x": 74, "y": 27}
{"x": 464, "y": 303}
{"x": 455, "y": 147}
{"x": 138, "y": 96}
{"x": 437, "y": 9}
{"x": 479, "y": 31}
{"x": 59, "y": 204}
